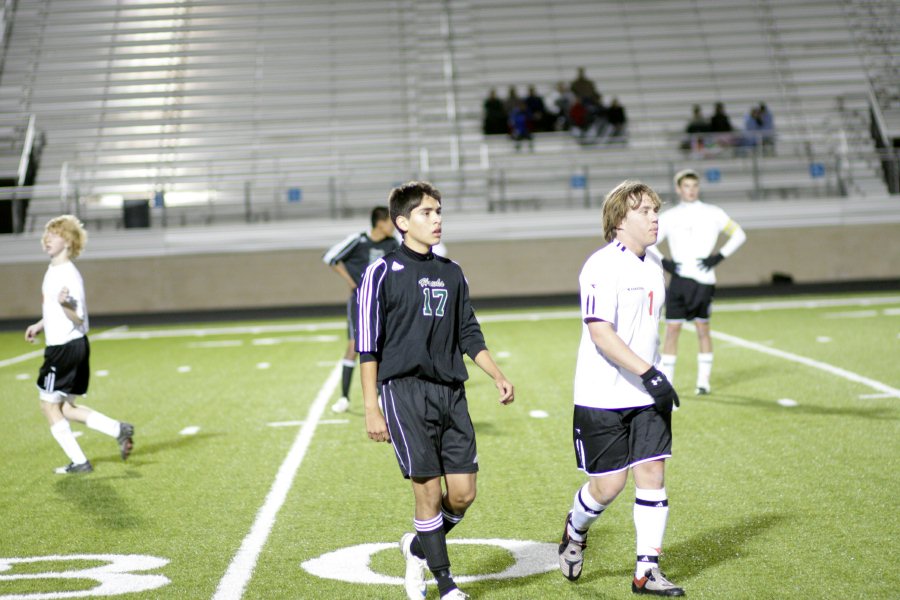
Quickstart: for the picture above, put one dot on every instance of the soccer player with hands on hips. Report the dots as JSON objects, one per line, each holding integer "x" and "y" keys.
{"x": 349, "y": 259}
{"x": 415, "y": 324}
{"x": 65, "y": 373}
{"x": 623, "y": 403}
{"x": 692, "y": 229}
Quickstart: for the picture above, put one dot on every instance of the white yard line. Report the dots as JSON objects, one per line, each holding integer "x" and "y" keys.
{"x": 123, "y": 333}
{"x": 883, "y": 388}
{"x": 232, "y": 585}
{"x": 35, "y": 353}
{"x": 21, "y": 358}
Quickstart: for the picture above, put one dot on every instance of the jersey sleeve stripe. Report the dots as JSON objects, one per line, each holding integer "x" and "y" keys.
{"x": 368, "y": 306}
{"x": 336, "y": 253}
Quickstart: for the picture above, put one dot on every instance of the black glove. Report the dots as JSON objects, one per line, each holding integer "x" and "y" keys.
{"x": 670, "y": 266}
{"x": 662, "y": 391}
{"x": 710, "y": 261}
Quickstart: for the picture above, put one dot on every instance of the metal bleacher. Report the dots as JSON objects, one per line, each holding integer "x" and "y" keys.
{"x": 279, "y": 109}
{"x": 660, "y": 58}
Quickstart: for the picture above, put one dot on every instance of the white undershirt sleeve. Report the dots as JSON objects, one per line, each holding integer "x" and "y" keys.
{"x": 736, "y": 237}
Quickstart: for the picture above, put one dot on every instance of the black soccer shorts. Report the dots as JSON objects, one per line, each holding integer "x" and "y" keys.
{"x": 607, "y": 441}
{"x": 687, "y": 300}
{"x": 431, "y": 430}
{"x": 66, "y": 369}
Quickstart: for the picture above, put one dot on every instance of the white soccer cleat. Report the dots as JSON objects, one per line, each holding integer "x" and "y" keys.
{"x": 342, "y": 405}
{"x": 455, "y": 594}
{"x": 416, "y": 568}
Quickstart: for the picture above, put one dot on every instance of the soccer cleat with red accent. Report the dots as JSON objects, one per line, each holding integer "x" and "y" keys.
{"x": 654, "y": 583}
{"x": 571, "y": 553}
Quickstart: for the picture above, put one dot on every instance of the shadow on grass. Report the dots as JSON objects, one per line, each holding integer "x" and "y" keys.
{"x": 484, "y": 428}
{"x": 142, "y": 450}
{"x": 874, "y": 412}
{"x": 681, "y": 561}
{"x": 716, "y": 546}
{"x": 96, "y": 498}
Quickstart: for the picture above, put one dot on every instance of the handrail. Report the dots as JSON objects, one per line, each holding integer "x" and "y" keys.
{"x": 25, "y": 158}
{"x": 878, "y": 117}
{"x": 6, "y": 12}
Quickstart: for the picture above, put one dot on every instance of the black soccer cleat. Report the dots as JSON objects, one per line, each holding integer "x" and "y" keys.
{"x": 73, "y": 469}
{"x": 571, "y": 553}
{"x": 126, "y": 444}
{"x": 654, "y": 583}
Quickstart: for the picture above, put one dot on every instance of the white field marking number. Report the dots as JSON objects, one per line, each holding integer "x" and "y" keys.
{"x": 116, "y": 575}
{"x": 352, "y": 564}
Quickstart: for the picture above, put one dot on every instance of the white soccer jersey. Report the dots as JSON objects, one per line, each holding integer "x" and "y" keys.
{"x": 58, "y": 329}
{"x": 692, "y": 229}
{"x": 622, "y": 289}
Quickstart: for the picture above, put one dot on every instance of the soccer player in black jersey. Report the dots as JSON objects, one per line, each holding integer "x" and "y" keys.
{"x": 415, "y": 324}
{"x": 349, "y": 259}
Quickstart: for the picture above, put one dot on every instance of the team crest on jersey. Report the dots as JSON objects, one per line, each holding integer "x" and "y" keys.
{"x": 425, "y": 282}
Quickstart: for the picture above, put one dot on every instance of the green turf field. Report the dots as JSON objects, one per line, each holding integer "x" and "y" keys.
{"x": 244, "y": 484}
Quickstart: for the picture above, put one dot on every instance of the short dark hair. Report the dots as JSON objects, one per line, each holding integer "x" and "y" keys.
{"x": 685, "y": 174}
{"x": 379, "y": 213}
{"x": 405, "y": 198}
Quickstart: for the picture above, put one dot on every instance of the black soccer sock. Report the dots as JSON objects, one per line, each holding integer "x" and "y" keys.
{"x": 451, "y": 520}
{"x": 434, "y": 546}
{"x": 347, "y": 377}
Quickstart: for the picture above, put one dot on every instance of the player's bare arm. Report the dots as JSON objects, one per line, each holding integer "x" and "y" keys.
{"x": 376, "y": 427}
{"x": 341, "y": 270}
{"x": 33, "y": 330}
{"x": 604, "y": 336}
{"x": 69, "y": 306}
{"x": 484, "y": 360}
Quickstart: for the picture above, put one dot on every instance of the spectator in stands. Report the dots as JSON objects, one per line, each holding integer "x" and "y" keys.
{"x": 766, "y": 129}
{"x": 584, "y": 88}
{"x": 494, "y": 115}
{"x": 519, "y": 128}
{"x": 561, "y": 101}
{"x": 720, "y": 125}
{"x": 512, "y": 99}
{"x": 537, "y": 111}
{"x": 720, "y": 122}
{"x": 599, "y": 120}
{"x": 579, "y": 119}
{"x": 752, "y": 128}
{"x": 617, "y": 121}
{"x": 697, "y": 126}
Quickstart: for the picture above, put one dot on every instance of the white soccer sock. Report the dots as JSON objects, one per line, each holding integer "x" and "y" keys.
{"x": 704, "y": 368}
{"x": 667, "y": 366}
{"x": 102, "y": 423}
{"x": 585, "y": 510}
{"x": 62, "y": 431}
{"x": 651, "y": 510}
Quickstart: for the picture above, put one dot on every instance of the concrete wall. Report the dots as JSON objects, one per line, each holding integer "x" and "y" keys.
{"x": 494, "y": 268}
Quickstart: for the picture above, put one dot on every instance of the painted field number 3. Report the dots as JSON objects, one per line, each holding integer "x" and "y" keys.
{"x": 117, "y": 574}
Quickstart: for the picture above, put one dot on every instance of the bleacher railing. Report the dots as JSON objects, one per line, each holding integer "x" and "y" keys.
{"x": 730, "y": 171}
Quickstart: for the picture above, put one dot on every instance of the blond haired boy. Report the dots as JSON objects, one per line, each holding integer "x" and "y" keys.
{"x": 65, "y": 373}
